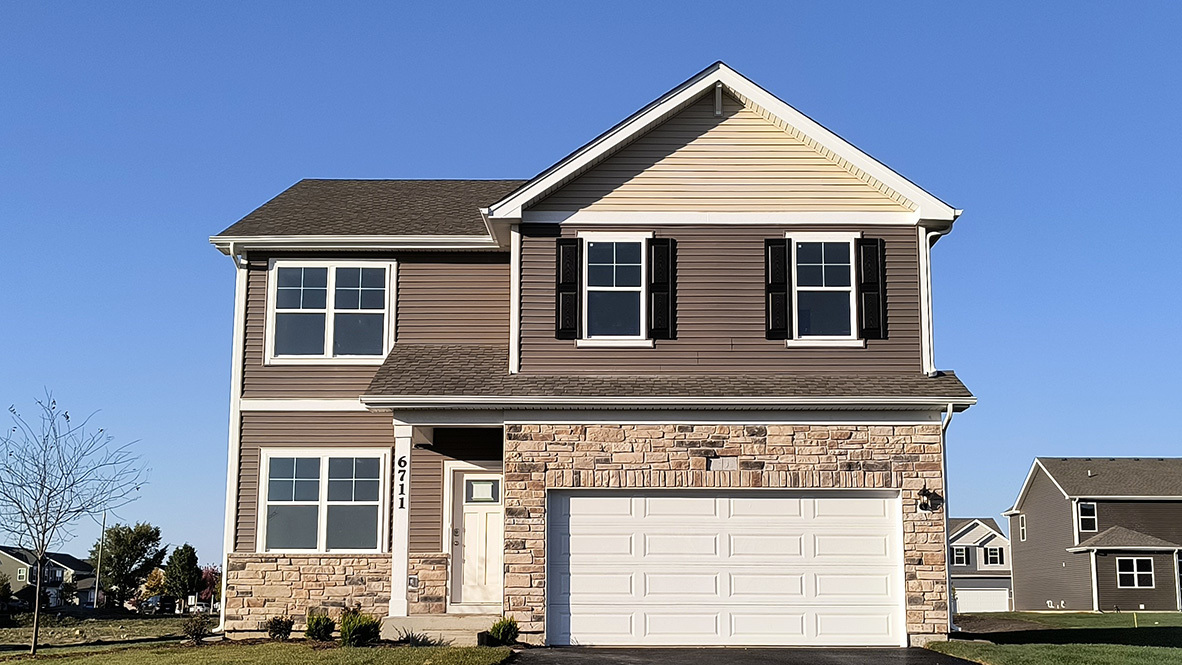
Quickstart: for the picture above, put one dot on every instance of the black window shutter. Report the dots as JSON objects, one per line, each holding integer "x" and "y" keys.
{"x": 662, "y": 274}
{"x": 872, "y": 288}
{"x": 569, "y": 268}
{"x": 776, "y": 287}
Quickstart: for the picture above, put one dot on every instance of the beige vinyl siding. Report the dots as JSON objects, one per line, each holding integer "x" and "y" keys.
{"x": 738, "y": 162}
{"x": 426, "y": 479}
{"x": 440, "y": 298}
{"x": 720, "y": 309}
{"x": 292, "y": 429}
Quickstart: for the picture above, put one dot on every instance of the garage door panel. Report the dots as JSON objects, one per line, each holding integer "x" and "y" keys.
{"x": 725, "y": 567}
{"x": 982, "y": 600}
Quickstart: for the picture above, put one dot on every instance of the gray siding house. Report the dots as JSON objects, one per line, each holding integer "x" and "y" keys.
{"x": 1100, "y": 534}
{"x": 978, "y": 565}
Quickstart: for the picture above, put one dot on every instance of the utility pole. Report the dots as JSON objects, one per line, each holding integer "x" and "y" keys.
{"x": 98, "y": 567}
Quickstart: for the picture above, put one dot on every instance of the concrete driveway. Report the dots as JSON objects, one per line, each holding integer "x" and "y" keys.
{"x": 730, "y": 656}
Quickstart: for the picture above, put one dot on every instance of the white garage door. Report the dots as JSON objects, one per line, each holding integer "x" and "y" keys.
{"x": 982, "y": 600}
{"x": 742, "y": 567}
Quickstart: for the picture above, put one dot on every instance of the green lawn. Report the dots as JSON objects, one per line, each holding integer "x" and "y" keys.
{"x": 1058, "y": 654}
{"x": 1091, "y": 620}
{"x": 66, "y": 630}
{"x": 275, "y": 653}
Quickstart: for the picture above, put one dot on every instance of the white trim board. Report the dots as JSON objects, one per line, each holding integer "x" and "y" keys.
{"x": 497, "y": 418}
{"x": 512, "y": 206}
{"x": 264, "y": 404}
{"x": 656, "y": 403}
{"x": 852, "y": 218}
{"x": 232, "y": 245}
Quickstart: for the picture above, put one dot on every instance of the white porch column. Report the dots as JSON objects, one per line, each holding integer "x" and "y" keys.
{"x": 400, "y": 548}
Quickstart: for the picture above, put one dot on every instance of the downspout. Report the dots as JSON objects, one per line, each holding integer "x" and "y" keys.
{"x": 236, "y": 360}
{"x": 944, "y": 423}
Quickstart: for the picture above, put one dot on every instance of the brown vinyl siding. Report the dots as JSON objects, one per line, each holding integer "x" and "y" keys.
{"x": 1042, "y": 568}
{"x": 720, "y": 309}
{"x": 740, "y": 161}
{"x": 1160, "y": 519}
{"x": 440, "y": 298}
{"x": 1163, "y": 595}
{"x": 292, "y": 429}
{"x": 426, "y": 479}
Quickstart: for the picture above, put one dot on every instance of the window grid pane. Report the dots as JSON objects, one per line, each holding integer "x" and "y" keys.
{"x": 614, "y": 288}
{"x": 358, "y": 308}
{"x": 352, "y": 507}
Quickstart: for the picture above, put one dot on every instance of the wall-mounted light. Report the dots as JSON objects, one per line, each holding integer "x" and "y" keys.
{"x": 929, "y": 501}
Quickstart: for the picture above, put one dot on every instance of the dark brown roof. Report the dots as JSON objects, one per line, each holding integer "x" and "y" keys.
{"x": 1116, "y": 476}
{"x": 1118, "y": 537}
{"x": 956, "y": 523}
{"x": 375, "y": 208}
{"x": 482, "y": 370}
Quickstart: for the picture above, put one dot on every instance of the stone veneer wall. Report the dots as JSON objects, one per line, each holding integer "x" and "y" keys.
{"x": 260, "y": 586}
{"x": 542, "y": 457}
{"x": 431, "y": 595}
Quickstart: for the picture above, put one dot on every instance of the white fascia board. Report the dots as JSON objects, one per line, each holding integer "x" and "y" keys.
{"x": 263, "y": 404}
{"x": 1121, "y": 548}
{"x": 966, "y": 526}
{"x": 235, "y": 244}
{"x": 929, "y": 207}
{"x": 853, "y": 218}
{"x": 646, "y": 403}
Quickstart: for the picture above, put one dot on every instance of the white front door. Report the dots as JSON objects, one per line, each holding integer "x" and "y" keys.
{"x": 477, "y": 538}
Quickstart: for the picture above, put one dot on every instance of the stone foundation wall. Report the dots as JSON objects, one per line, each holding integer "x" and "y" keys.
{"x": 431, "y": 595}
{"x": 541, "y": 457}
{"x": 260, "y": 586}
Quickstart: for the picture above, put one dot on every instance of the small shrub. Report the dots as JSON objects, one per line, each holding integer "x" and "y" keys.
{"x": 359, "y": 630}
{"x": 279, "y": 628}
{"x": 197, "y": 628}
{"x": 413, "y": 639}
{"x": 320, "y": 628}
{"x": 504, "y": 631}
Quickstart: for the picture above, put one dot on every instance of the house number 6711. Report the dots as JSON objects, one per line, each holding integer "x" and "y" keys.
{"x": 401, "y": 476}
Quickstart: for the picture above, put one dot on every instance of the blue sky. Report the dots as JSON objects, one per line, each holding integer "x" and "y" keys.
{"x": 129, "y": 132}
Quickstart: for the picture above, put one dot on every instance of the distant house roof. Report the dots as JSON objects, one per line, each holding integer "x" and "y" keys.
{"x": 1116, "y": 476}
{"x": 72, "y": 562}
{"x": 955, "y": 524}
{"x": 19, "y": 553}
{"x": 1120, "y": 538}
{"x": 375, "y": 208}
{"x": 432, "y": 374}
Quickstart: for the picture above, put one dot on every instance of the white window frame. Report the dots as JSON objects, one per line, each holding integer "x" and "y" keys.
{"x": 327, "y": 358}
{"x": 960, "y": 555}
{"x": 1080, "y": 517}
{"x": 22, "y": 574}
{"x": 641, "y": 340}
{"x": 1022, "y": 528}
{"x": 1136, "y": 573}
{"x": 322, "y": 501}
{"x": 987, "y": 555}
{"x": 851, "y": 340}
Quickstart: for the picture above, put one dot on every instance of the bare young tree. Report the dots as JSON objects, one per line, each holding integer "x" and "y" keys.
{"x": 54, "y": 472}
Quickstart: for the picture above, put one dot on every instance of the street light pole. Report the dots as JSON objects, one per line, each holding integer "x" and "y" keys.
{"x": 98, "y": 567}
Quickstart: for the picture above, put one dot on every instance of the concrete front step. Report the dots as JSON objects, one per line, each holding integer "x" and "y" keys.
{"x": 461, "y": 629}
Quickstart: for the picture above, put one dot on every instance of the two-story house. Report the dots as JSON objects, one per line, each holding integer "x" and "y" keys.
{"x": 678, "y": 388}
{"x": 20, "y": 566}
{"x": 978, "y": 565}
{"x": 1099, "y": 534}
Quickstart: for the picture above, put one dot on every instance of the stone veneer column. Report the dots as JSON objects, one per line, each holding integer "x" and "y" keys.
{"x": 541, "y": 457}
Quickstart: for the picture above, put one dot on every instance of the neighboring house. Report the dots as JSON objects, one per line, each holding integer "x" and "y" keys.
{"x": 1098, "y": 534}
{"x": 21, "y": 567}
{"x": 676, "y": 389}
{"x": 978, "y": 565}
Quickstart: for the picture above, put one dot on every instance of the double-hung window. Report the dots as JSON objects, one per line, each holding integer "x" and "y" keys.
{"x": 336, "y": 311}
{"x": 1087, "y": 516}
{"x": 994, "y": 556}
{"x": 22, "y": 574}
{"x": 614, "y": 302}
{"x": 960, "y": 556}
{"x": 1134, "y": 572}
{"x": 824, "y": 296}
{"x": 324, "y": 502}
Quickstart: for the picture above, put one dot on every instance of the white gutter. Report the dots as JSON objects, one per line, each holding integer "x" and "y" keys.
{"x": 644, "y": 402}
{"x": 227, "y": 244}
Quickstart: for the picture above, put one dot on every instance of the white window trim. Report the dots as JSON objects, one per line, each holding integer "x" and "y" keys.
{"x": 22, "y": 574}
{"x": 322, "y": 515}
{"x": 962, "y": 553}
{"x": 1022, "y": 528}
{"x": 641, "y": 340}
{"x": 327, "y": 358}
{"x": 851, "y": 340}
{"x": 1000, "y": 556}
{"x": 1080, "y": 517}
{"x": 1135, "y": 559}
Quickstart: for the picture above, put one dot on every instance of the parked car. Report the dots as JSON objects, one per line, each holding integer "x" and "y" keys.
{"x": 199, "y": 608}
{"x": 158, "y": 605}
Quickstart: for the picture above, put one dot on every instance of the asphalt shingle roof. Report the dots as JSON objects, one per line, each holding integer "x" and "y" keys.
{"x": 1116, "y": 476}
{"x": 482, "y": 370}
{"x": 955, "y": 523}
{"x": 375, "y": 208}
{"x": 1117, "y": 537}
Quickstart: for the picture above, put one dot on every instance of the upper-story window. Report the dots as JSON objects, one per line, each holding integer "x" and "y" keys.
{"x": 960, "y": 556}
{"x": 337, "y": 311}
{"x": 1022, "y": 528}
{"x": 994, "y": 556}
{"x": 22, "y": 574}
{"x": 824, "y": 293}
{"x": 1087, "y": 516}
{"x": 615, "y": 289}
